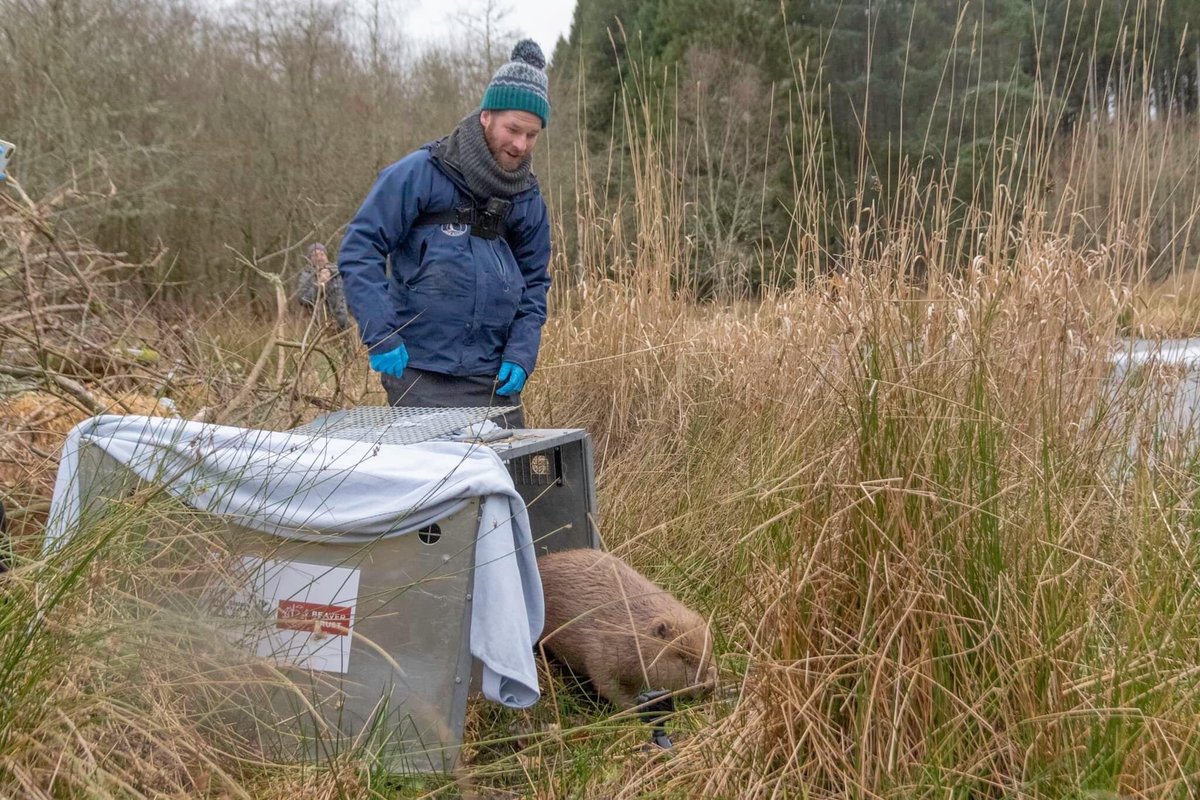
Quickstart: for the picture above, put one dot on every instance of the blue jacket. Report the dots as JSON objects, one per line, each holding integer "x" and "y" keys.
{"x": 460, "y": 303}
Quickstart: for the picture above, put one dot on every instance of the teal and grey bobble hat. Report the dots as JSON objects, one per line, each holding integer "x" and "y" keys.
{"x": 520, "y": 85}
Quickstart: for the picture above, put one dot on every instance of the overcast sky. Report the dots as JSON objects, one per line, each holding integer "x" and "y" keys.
{"x": 542, "y": 20}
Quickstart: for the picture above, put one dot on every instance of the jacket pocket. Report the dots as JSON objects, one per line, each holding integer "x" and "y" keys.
{"x": 443, "y": 268}
{"x": 421, "y": 268}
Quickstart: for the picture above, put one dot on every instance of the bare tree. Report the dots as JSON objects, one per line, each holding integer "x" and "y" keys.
{"x": 488, "y": 34}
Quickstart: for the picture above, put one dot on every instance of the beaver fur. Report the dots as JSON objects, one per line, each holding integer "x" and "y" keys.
{"x": 610, "y": 623}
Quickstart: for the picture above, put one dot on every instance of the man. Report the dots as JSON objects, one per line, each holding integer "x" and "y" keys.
{"x": 457, "y": 319}
{"x": 318, "y": 288}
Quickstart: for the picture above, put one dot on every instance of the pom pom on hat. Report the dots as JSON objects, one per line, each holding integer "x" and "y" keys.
{"x": 527, "y": 50}
{"x": 520, "y": 85}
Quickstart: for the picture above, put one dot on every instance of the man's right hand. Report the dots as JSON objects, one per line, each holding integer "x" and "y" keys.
{"x": 391, "y": 363}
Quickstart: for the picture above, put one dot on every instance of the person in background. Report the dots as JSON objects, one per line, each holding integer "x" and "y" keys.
{"x": 319, "y": 287}
{"x": 457, "y": 320}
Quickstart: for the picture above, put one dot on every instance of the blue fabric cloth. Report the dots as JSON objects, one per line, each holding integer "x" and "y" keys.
{"x": 461, "y": 303}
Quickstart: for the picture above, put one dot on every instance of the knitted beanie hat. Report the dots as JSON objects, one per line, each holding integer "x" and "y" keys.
{"x": 520, "y": 85}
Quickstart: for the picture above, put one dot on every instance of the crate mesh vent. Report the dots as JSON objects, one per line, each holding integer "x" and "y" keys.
{"x": 536, "y": 469}
{"x": 387, "y": 425}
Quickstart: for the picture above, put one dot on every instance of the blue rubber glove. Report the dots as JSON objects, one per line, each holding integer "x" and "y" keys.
{"x": 512, "y": 376}
{"x": 391, "y": 363}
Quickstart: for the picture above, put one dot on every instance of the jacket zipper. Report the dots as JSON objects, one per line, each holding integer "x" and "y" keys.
{"x": 499, "y": 265}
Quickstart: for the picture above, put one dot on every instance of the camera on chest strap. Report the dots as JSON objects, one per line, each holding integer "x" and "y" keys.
{"x": 489, "y": 220}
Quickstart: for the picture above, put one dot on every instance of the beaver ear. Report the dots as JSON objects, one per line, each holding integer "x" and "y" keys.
{"x": 663, "y": 629}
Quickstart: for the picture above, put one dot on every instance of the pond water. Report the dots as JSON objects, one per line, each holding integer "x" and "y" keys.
{"x": 1165, "y": 351}
{"x": 1162, "y": 380}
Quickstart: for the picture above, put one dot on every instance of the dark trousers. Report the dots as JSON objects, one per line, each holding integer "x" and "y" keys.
{"x": 418, "y": 388}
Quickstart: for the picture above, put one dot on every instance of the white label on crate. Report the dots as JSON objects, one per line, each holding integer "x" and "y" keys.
{"x": 307, "y": 612}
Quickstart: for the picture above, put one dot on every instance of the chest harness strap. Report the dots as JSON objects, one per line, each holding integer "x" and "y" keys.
{"x": 487, "y": 222}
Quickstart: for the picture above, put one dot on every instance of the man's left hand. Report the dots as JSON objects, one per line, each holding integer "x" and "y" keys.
{"x": 511, "y": 377}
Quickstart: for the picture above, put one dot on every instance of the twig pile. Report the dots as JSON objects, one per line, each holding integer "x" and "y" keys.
{"x": 70, "y": 347}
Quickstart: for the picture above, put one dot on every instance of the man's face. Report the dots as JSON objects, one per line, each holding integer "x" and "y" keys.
{"x": 510, "y": 136}
{"x": 319, "y": 258}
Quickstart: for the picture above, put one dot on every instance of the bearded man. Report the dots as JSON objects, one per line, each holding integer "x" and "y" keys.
{"x": 457, "y": 319}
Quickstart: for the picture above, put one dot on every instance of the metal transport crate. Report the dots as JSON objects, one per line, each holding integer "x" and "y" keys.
{"x": 395, "y": 681}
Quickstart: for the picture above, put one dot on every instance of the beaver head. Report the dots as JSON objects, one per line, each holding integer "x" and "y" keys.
{"x": 680, "y": 654}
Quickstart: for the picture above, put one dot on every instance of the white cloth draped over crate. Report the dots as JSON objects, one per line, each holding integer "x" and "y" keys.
{"x": 323, "y": 489}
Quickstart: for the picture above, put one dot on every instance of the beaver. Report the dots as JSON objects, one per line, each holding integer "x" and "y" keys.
{"x": 610, "y": 623}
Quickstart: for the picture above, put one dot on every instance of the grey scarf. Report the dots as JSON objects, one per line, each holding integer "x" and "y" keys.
{"x": 466, "y": 150}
